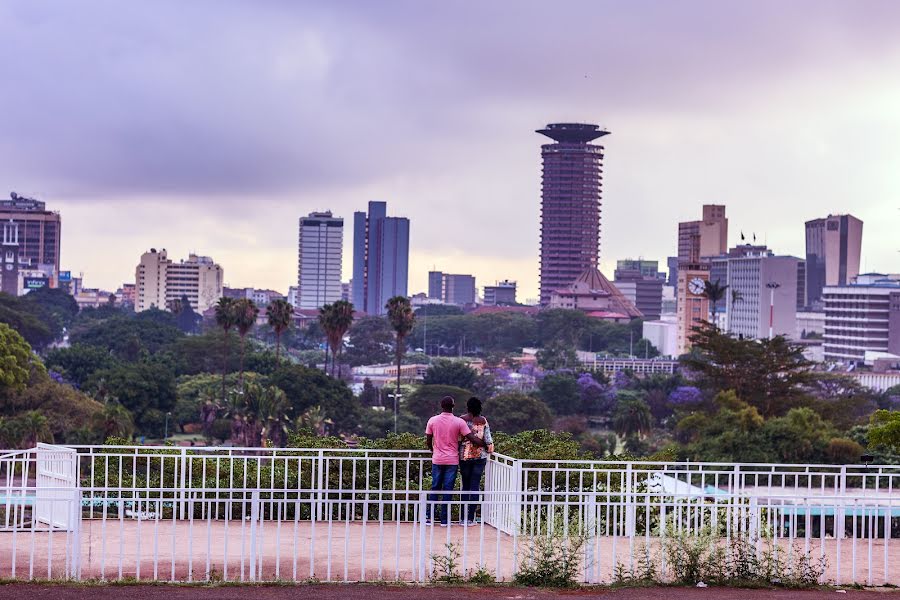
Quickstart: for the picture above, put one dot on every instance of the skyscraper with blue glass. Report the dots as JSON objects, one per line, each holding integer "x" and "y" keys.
{"x": 380, "y": 258}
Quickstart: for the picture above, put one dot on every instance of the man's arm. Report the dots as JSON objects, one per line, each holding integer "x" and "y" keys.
{"x": 429, "y": 442}
{"x": 476, "y": 440}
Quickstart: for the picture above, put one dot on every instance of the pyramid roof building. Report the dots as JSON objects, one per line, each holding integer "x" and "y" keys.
{"x": 596, "y": 295}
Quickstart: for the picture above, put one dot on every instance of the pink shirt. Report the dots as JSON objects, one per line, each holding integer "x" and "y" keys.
{"x": 446, "y": 431}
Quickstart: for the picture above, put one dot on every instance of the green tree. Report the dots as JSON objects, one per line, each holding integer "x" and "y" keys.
{"x": 225, "y": 319}
{"x": 451, "y": 372}
{"x": 280, "y": 315}
{"x": 560, "y": 392}
{"x": 69, "y": 413}
{"x": 307, "y": 387}
{"x": 79, "y": 361}
{"x": 16, "y": 360}
{"x": 146, "y": 389}
{"x": 33, "y": 427}
{"x": 113, "y": 420}
{"x": 34, "y": 325}
{"x": 56, "y": 302}
{"x": 402, "y": 318}
{"x": 632, "y": 416}
{"x": 425, "y": 402}
{"x": 513, "y": 413}
{"x": 885, "y": 429}
{"x": 770, "y": 374}
{"x": 557, "y": 355}
{"x": 371, "y": 339}
{"x": 244, "y": 312}
{"x": 540, "y": 444}
{"x": 128, "y": 338}
{"x": 259, "y": 414}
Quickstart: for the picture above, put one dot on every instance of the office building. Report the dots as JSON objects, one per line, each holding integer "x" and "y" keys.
{"x": 570, "y": 204}
{"x": 436, "y": 285}
{"x": 159, "y": 281}
{"x": 698, "y": 240}
{"x": 647, "y": 268}
{"x": 9, "y": 273}
{"x": 320, "y": 255}
{"x": 833, "y": 248}
{"x": 593, "y": 294}
{"x": 862, "y": 321}
{"x": 380, "y": 258}
{"x": 346, "y": 292}
{"x": 501, "y": 294}
{"x": 451, "y": 289}
{"x": 643, "y": 289}
{"x": 39, "y": 232}
{"x": 672, "y": 265}
{"x": 692, "y": 303}
{"x": 762, "y": 295}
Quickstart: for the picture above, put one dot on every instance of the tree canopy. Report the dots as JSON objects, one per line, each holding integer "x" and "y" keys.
{"x": 451, "y": 372}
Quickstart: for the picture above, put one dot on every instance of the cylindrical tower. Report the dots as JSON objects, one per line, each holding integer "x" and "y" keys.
{"x": 570, "y": 204}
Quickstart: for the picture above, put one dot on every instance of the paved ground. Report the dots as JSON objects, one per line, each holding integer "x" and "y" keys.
{"x": 369, "y": 592}
{"x": 185, "y": 550}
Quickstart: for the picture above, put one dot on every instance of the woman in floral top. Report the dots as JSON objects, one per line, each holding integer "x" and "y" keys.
{"x": 472, "y": 458}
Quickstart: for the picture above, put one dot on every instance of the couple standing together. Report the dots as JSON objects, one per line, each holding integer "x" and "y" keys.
{"x": 458, "y": 445}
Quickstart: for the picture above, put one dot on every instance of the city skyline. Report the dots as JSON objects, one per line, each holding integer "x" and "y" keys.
{"x": 128, "y": 114}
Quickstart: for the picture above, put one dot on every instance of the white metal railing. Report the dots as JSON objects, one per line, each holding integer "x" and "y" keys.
{"x": 191, "y": 514}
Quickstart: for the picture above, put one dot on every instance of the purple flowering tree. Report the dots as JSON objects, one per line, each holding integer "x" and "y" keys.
{"x": 685, "y": 396}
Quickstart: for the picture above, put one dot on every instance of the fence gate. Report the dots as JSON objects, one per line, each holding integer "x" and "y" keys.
{"x": 57, "y": 501}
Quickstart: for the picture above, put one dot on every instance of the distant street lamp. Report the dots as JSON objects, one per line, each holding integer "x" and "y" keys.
{"x": 772, "y": 285}
{"x": 396, "y": 396}
{"x": 166, "y": 434}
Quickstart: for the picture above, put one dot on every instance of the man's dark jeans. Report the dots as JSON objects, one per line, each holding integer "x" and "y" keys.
{"x": 443, "y": 478}
{"x": 471, "y": 472}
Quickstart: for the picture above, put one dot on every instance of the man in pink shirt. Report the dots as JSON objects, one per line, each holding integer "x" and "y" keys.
{"x": 442, "y": 436}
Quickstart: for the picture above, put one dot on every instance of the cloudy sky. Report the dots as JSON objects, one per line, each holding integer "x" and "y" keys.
{"x": 212, "y": 126}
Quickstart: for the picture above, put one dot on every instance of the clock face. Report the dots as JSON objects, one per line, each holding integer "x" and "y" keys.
{"x": 696, "y": 286}
{"x": 9, "y": 267}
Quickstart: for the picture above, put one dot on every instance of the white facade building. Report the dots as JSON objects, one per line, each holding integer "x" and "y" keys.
{"x": 663, "y": 334}
{"x": 762, "y": 295}
{"x": 320, "y": 253}
{"x": 861, "y": 319}
{"x": 159, "y": 281}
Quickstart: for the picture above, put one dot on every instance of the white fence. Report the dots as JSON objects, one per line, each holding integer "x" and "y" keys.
{"x": 188, "y": 514}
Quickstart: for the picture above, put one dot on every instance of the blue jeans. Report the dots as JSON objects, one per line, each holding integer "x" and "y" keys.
{"x": 471, "y": 472}
{"x": 443, "y": 478}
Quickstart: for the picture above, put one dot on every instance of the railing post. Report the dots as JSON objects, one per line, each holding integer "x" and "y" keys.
{"x": 254, "y": 519}
{"x": 518, "y": 497}
{"x": 840, "y": 515}
{"x": 629, "y": 502}
{"x": 421, "y": 559}
{"x": 182, "y": 493}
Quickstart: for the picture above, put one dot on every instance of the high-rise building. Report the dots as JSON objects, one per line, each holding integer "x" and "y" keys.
{"x": 319, "y": 264}
{"x": 451, "y": 289}
{"x": 570, "y": 204}
{"x": 436, "y": 285}
{"x": 643, "y": 289}
{"x": 762, "y": 295}
{"x": 380, "y": 258}
{"x": 672, "y": 265}
{"x": 504, "y": 293}
{"x": 707, "y": 237}
{"x": 833, "y": 248}
{"x": 646, "y": 268}
{"x": 39, "y": 231}
{"x": 159, "y": 281}
{"x": 692, "y": 303}
{"x": 861, "y": 319}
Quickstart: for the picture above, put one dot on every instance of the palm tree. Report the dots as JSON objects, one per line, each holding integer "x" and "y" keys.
{"x": 244, "y": 312}
{"x": 341, "y": 320}
{"x": 632, "y": 417}
{"x": 225, "y": 320}
{"x": 401, "y": 317}
{"x": 736, "y": 296}
{"x": 114, "y": 421}
{"x": 33, "y": 427}
{"x": 326, "y": 317}
{"x": 714, "y": 292}
{"x": 281, "y": 315}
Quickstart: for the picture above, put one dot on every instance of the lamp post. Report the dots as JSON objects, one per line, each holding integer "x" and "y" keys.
{"x": 772, "y": 285}
{"x": 396, "y": 396}
{"x": 166, "y": 434}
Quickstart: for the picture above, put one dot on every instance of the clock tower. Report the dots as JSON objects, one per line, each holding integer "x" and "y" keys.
{"x": 9, "y": 259}
{"x": 693, "y": 305}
